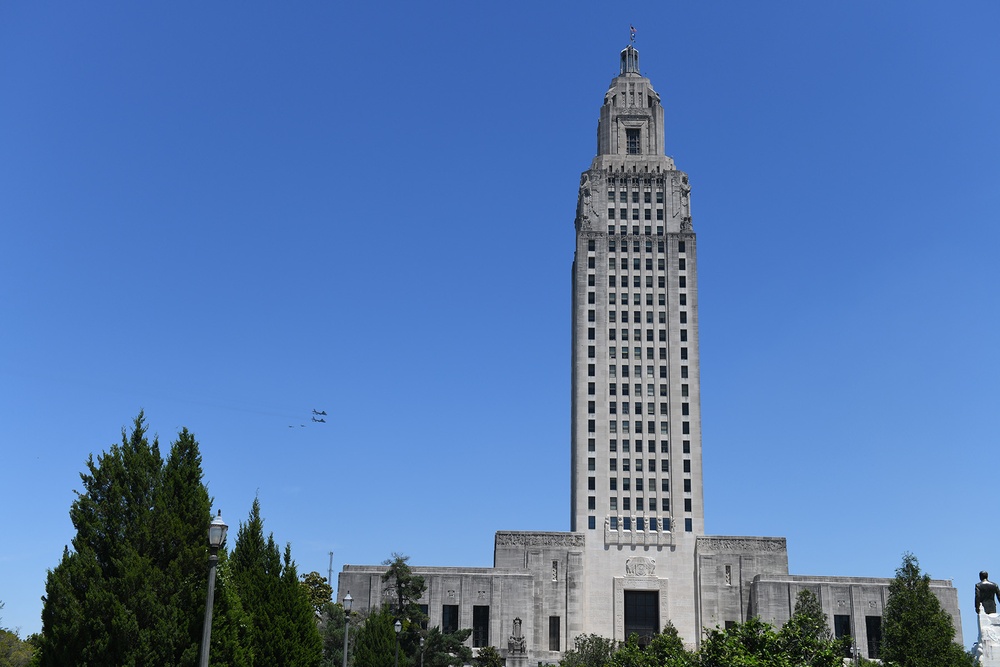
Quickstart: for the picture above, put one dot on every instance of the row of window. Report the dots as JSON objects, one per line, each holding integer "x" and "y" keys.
{"x": 637, "y": 301}
{"x": 628, "y": 426}
{"x": 647, "y": 196}
{"x": 625, "y": 389}
{"x": 640, "y": 506}
{"x": 613, "y": 368}
{"x": 627, "y": 482}
{"x": 628, "y": 444}
{"x": 640, "y": 524}
{"x": 661, "y": 335}
{"x": 650, "y": 524}
{"x": 623, "y": 215}
{"x": 636, "y": 246}
{"x": 638, "y": 264}
{"x": 626, "y": 464}
{"x": 635, "y": 408}
{"x": 647, "y": 230}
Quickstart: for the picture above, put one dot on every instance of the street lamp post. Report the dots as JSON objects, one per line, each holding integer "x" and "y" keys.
{"x": 347, "y": 619}
{"x": 421, "y": 652}
{"x": 216, "y": 536}
{"x": 399, "y": 627}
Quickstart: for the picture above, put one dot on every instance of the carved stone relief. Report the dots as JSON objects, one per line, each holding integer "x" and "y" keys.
{"x": 540, "y": 539}
{"x": 640, "y": 566}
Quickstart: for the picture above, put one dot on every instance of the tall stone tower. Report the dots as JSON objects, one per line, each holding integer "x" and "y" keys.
{"x": 636, "y": 423}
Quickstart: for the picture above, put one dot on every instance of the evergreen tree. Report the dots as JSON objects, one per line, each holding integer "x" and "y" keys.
{"x": 282, "y": 628}
{"x": 409, "y": 588}
{"x": 132, "y": 589}
{"x": 806, "y": 639}
{"x": 446, "y": 649}
{"x": 916, "y": 631}
{"x": 375, "y": 645}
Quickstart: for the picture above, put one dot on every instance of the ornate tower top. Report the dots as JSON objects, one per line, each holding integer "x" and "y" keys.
{"x": 630, "y": 60}
{"x": 631, "y": 124}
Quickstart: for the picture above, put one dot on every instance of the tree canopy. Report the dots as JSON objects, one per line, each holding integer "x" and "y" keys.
{"x": 917, "y": 632}
{"x": 283, "y": 627}
{"x": 132, "y": 589}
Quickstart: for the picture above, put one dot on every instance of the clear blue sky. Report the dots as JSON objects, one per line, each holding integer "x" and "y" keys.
{"x": 228, "y": 214}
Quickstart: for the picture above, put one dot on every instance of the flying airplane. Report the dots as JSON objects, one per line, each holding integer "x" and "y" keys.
{"x": 319, "y": 412}
{"x": 321, "y": 421}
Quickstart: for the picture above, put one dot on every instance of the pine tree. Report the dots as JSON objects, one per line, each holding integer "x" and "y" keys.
{"x": 916, "y": 631}
{"x": 283, "y": 630}
{"x": 375, "y": 644}
{"x": 132, "y": 589}
{"x": 806, "y": 639}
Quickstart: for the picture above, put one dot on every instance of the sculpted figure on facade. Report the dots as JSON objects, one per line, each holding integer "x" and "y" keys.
{"x": 516, "y": 645}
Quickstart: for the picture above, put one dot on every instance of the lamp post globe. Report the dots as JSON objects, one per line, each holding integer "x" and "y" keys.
{"x": 399, "y": 627}
{"x": 348, "y": 601}
{"x": 217, "y": 530}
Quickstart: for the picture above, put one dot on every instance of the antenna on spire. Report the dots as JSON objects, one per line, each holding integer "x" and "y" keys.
{"x": 631, "y": 33}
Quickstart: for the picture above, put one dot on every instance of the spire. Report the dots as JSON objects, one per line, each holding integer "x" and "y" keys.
{"x": 629, "y": 60}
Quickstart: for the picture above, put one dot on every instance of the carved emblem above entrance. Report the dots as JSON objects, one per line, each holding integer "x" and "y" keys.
{"x": 640, "y": 566}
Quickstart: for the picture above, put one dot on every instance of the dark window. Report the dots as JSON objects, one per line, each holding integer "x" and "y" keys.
{"x": 642, "y": 615}
{"x": 591, "y": 503}
{"x": 688, "y": 525}
{"x": 591, "y": 464}
{"x": 687, "y": 446}
{"x": 480, "y": 626}
{"x": 554, "y": 633}
{"x": 841, "y": 629}
{"x": 687, "y": 465}
{"x": 591, "y": 522}
{"x": 687, "y": 504}
{"x": 682, "y": 281}
{"x": 590, "y": 263}
{"x": 449, "y": 618}
{"x": 680, "y": 246}
{"x": 632, "y": 140}
{"x": 873, "y": 626}
{"x": 687, "y": 484}
{"x": 591, "y": 245}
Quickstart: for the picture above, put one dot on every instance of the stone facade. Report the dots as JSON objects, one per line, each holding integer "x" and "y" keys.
{"x": 636, "y": 556}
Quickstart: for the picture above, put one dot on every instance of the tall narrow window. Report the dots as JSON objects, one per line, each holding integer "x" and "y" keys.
{"x": 554, "y": 633}
{"x": 632, "y": 139}
{"x": 449, "y": 618}
{"x": 480, "y": 626}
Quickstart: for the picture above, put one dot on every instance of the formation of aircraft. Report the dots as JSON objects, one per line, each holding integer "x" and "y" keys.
{"x": 317, "y": 417}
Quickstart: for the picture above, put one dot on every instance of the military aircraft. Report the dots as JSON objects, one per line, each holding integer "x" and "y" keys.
{"x": 321, "y": 420}
{"x": 322, "y": 413}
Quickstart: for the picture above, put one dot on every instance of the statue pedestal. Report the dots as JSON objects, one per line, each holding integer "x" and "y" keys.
{"x": 988, "y": 646}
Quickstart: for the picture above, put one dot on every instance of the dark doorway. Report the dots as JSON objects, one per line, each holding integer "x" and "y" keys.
{"x": 642, "y": 615}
